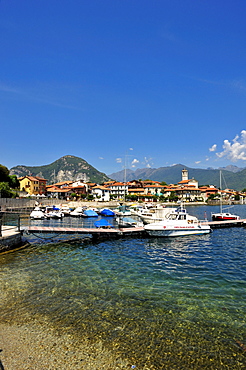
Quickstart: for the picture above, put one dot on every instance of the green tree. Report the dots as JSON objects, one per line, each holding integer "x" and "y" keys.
{"x": 5, "y": 191}
{"x": 14, "y": 183}
{"x": 4, "y": 174}
{"x": 173, "y": 197}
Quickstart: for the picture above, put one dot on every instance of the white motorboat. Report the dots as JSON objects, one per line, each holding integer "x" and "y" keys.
{"x": 77, "y": 212}
{"x": 65, "y": 209}
{"x": 177, "y": 223}
{"x": 153, "y": 214}
{"x": 53, "y": 212}
{"x": 37, "y": 214}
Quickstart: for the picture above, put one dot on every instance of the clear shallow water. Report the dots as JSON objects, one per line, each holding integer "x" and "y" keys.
{"x": 161, "y": 303}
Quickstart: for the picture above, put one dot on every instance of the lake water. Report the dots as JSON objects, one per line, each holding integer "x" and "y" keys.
{"x": 175, "y": 303}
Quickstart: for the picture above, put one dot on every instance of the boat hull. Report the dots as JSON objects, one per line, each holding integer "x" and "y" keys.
{"x": 171, "y": 232}
{"x": 224, "y": 217}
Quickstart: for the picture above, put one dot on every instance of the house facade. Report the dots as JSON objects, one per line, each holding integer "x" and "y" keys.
{"x": 33, "y": 185}
{"x": 102, "y": 193}
{"x": 119, "y": 189}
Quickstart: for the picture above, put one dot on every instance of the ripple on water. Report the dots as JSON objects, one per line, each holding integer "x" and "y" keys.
{"x": 175, "y": 304}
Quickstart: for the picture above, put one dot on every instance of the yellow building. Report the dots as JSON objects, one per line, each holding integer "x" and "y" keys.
{"x": 33, "y": 185}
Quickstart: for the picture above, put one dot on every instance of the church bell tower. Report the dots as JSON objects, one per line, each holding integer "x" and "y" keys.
{"x": 184, "y": 175}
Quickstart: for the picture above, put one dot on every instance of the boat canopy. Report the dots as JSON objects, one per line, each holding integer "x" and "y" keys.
{"x": 107, "y": 212}
{"x": 90, "y": 213}
{"x": 103, "y": 223}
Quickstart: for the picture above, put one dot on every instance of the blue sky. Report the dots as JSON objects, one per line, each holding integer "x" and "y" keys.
{"x": 137, "y": 82}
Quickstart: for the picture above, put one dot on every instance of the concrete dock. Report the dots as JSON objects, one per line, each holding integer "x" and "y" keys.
{"x": 10, "y": 238}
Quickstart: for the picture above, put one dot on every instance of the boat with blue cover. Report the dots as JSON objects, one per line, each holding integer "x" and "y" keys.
{"x": 107, "y": 212}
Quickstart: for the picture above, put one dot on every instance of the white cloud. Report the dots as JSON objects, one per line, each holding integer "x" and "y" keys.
{"x": 101, "y": 158}
{"x": 213, "y": 148}
{"x": 134, "y": 162}
{"x": 235, "y": 150}
{"x": 197, "y": 162}
{"x": 119, "y": 160}
{"x": 147, "y": 162}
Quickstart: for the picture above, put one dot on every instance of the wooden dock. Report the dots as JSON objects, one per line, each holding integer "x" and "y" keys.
{"x": 82, "y": 230}
{"x": 116, "y": 231}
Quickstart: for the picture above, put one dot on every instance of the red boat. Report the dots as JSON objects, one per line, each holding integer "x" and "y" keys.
{"x": 223, "y": 216}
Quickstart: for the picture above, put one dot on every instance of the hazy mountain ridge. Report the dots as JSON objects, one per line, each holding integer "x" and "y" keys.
{"x": 173, "y": 174}
{"x": 66, "y": 168}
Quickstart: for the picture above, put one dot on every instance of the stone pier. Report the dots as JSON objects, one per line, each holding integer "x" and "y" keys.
{"x": 10, "y": 238}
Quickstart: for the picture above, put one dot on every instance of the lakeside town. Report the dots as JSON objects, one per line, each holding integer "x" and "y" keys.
{"x": 186, "y": 190}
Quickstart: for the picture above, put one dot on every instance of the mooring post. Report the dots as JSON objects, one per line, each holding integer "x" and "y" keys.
{"x": 18, "y": 222}
{"x": 1, "y": 217}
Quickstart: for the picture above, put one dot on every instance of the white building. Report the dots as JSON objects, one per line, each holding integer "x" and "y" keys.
{"x": 101, "y": 193}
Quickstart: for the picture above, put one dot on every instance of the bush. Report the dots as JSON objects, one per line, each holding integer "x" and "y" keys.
{"x": 5, "y": 191}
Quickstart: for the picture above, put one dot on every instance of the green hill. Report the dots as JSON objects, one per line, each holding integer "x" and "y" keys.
{"x": 66, "y": 168}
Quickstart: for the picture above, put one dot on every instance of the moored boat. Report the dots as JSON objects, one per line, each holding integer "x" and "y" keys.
{"x": 107, "y": 212}
{"x": 65, "y": 209}
{"x": 123, "y": 210}
{"x": 53, "y": 212}
{"x": 128, "y": 222}
{"x": 177, "y": 223}
{"x": 152, "y": 214}
{"x": 77, "y": 212}
{"x": 223, "y": 216}
{"x": 37, "y": 214}
{"x": 90, "y": 213}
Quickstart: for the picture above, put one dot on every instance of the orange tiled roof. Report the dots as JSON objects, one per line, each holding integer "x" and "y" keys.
{"x": 63, "y": 183}
{"x": 155, "y": 186}
{"x": 118, "y": 183}
{"x": 100, "y": 187}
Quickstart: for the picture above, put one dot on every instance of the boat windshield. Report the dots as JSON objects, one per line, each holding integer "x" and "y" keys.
{"x": 178, "y": 216}
{"x": 173, "y": 216}
{"x": 182, "y": 217}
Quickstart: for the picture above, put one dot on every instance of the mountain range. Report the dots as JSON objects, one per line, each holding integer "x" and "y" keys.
{"x": 232, "y": 176}
{"x": 74, "y": 168}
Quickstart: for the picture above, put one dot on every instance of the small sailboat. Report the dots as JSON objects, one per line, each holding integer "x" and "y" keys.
{"x": 223, "y": 216}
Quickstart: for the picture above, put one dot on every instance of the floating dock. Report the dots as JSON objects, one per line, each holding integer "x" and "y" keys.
{"x": 116, "y": 231}
{"x": 95, "y": 232}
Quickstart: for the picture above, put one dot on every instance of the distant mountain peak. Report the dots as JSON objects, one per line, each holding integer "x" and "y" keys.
{"x": 68, "y": 167}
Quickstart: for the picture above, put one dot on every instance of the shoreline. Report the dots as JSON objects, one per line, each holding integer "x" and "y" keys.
{"x": 35, "y": 346}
